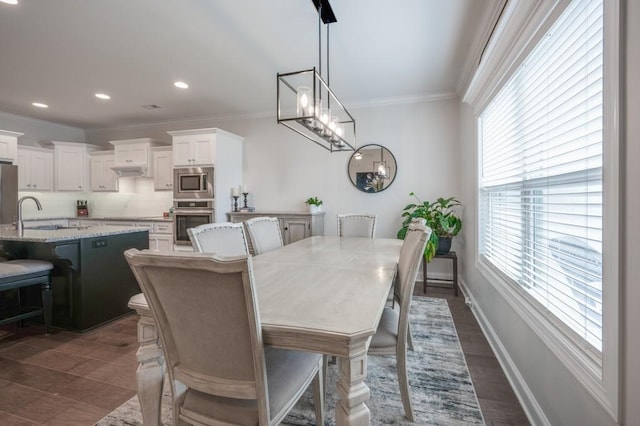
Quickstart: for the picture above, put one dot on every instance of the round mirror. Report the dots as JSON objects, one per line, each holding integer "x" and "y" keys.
{"x": 372, "y": 168}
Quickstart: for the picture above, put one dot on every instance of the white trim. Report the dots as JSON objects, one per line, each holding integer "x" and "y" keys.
{"x": 527, "y": 400}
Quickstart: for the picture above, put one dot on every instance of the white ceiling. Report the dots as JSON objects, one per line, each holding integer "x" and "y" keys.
{"x": 61, "y": 52}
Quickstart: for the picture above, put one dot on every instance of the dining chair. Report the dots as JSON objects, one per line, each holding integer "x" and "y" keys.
{"x": 265, "y": 233}
{"x": 391, "y": 337}
{"x": 206, "y": 313}
{"x": 225, "y": 239}
{"x": 356, "y": 225}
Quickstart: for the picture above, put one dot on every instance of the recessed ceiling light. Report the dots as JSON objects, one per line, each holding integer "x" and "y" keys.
{"x": 181, "y": 85}
{"x": 10, "y": 1}
{"x": 40, "y": 105}
{"x": 103, "y": 96}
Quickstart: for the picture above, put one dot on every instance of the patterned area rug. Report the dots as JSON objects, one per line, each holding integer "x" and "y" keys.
{"x": 441, "y": 388}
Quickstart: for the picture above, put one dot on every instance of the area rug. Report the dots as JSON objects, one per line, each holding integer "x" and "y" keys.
{"x": 441, "y": 388}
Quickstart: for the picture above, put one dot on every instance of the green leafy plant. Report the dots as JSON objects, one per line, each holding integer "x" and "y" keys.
{"x": 313, "y": 201}
{"x": 440, "y": 216}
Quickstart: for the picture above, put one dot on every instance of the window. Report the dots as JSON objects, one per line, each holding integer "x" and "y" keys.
{"x": 541, "y": 175}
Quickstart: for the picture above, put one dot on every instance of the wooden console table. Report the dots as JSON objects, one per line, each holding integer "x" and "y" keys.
{"x": 454, "y": 260}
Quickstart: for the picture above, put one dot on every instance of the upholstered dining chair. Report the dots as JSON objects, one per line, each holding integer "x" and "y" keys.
{"x": 225, "y": 239}
{"x": 356, "y": 225}
{"x": 391, "y": 337}
{"x": 206, "y": 313}
{"x": 265, "y": 234}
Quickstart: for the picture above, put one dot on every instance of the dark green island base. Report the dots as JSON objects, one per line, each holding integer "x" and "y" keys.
{"x": 91, "y": 280}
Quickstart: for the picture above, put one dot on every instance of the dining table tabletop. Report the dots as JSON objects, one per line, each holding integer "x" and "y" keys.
{"x": 321, "y": 294}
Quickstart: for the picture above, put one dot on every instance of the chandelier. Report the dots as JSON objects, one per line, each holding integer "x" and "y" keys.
{"x": 308, "y": 106}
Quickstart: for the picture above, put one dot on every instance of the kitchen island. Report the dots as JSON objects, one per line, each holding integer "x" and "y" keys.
{"x": 91, "y": 280}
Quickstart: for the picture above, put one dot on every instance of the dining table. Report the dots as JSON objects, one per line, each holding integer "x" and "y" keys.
{"x": 321, "y": 294}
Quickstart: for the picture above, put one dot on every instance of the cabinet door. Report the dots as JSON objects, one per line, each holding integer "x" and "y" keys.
{"x": 182, "y": 151}
{"x": 203, "y": 150}
{"x": 160, "y": 242}
{"x": 8, "y": 148}
{"x": 24, "y": 170}
{"x": 162, "y": 170}
{"x": 110, "y": 178}
{"x": 132, "y": 154}
{"x": 295, "y": 230}
{"x": 97, "y": 166}
{"x": 70, "y": 169}
{"x": 41, "y": 171}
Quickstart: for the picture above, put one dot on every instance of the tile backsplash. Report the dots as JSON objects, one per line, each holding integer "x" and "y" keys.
{"x": 135, "y": 198}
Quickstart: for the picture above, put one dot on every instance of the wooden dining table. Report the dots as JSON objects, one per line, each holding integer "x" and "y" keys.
{"x": 322, "y": 294}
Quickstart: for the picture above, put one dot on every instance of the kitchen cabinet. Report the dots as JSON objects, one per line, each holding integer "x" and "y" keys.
{"x": 212, "y": 147}
{"x": 294, "y": 226}
{"x": 102, "y": 177}
{"x": 9, "y": 145}
{"x": 201, "y": 147}
{"x": 72, "y": 166}
{"x": 162, "y": 168}
{"x": 132, "y": 157}
{"x": 35, "y": 169}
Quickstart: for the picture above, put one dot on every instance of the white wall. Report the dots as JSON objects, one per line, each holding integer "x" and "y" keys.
{"x": 38, "y": 130}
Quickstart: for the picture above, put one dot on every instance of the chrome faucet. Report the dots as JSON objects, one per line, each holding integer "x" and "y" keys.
{"x": 19, "y": 224}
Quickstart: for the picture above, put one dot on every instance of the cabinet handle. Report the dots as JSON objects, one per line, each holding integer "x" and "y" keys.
{"x": 35, "y": 185}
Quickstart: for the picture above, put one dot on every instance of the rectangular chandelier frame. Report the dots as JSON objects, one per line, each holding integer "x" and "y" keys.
{"x": 324, "y": 121}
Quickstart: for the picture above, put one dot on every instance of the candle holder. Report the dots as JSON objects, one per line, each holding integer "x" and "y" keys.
{"x": 235, "y": 203}
{"x": 245, "y": 199}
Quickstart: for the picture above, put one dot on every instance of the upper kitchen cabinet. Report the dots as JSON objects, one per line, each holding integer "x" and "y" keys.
{"x": 9, "y": 145}
{"x": 103, "y": 179}
{"x": 133, "y": 157}
{"x": 72, "y": 165}
{"x": 35, "y": 169}
{"x": 202, "y": 147}
{"x": 162, "y": 168}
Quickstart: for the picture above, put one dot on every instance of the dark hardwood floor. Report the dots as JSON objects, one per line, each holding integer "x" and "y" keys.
{"x": 72, "y": 379}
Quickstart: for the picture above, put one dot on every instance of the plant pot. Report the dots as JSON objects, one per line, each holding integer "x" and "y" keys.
{"x": 313, "y": 208}
{"x": 444, "y": 245}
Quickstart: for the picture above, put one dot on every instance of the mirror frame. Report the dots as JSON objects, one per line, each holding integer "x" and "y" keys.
{"x": 392, "y": 178}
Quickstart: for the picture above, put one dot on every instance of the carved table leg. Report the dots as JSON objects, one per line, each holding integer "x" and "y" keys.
{"x": 352, "y": 391}
{"x": 150, "y": 373}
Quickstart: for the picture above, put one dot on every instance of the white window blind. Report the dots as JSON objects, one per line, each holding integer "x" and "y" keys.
{"x": 540, "y": 180}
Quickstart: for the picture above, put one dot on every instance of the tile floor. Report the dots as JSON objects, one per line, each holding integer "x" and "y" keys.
{"x": 73, "y": 379}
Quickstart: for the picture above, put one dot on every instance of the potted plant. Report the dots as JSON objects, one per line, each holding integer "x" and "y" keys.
{"x": 314, "y": 203}
{"x": 441, "y": 218}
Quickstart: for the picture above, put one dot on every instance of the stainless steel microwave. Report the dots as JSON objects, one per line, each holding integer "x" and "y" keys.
{"x": 193, "y": 183}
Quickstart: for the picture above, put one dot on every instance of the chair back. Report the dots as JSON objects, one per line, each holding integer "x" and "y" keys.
{"x": 265, "y": 234}
{"x": 225, "y": 239}
{"x": 356, "y": 225}
{"x": 196, "y": 295}
{"x": 411, "y": 254}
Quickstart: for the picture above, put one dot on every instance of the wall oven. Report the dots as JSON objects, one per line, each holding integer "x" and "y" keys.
{"x": 189, "y": 214}
{"x": 193, "y": 183}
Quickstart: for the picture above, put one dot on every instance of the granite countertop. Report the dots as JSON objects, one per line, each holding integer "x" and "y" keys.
{"x": 64, "y": 234}
{"x": 115, "y": 218}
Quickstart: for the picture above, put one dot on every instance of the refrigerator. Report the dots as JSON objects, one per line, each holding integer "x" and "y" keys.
{"x": 8, "y": 193}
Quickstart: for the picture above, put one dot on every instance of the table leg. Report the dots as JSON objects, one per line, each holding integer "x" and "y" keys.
{"x": 150, "y": 373}
{"x": 353, "y": 392}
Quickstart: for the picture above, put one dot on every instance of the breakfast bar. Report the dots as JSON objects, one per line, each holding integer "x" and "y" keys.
{"x": 91, "y": 282}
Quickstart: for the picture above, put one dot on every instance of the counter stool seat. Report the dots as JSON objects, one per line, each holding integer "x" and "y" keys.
{"x": 24, "y": 273}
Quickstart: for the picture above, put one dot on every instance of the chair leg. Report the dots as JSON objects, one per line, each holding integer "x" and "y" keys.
{"x": 319, "y": 386}
{"x": 403, "y": 381}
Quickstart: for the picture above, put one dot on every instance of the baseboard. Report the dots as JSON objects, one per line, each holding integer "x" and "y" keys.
{"x": 530, "y": 405}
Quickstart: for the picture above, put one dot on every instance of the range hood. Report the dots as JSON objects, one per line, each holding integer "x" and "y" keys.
{"x": 130, "y": 170}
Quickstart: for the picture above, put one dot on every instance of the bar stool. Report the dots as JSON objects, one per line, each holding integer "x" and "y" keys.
{"x": 15, "y": 274}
